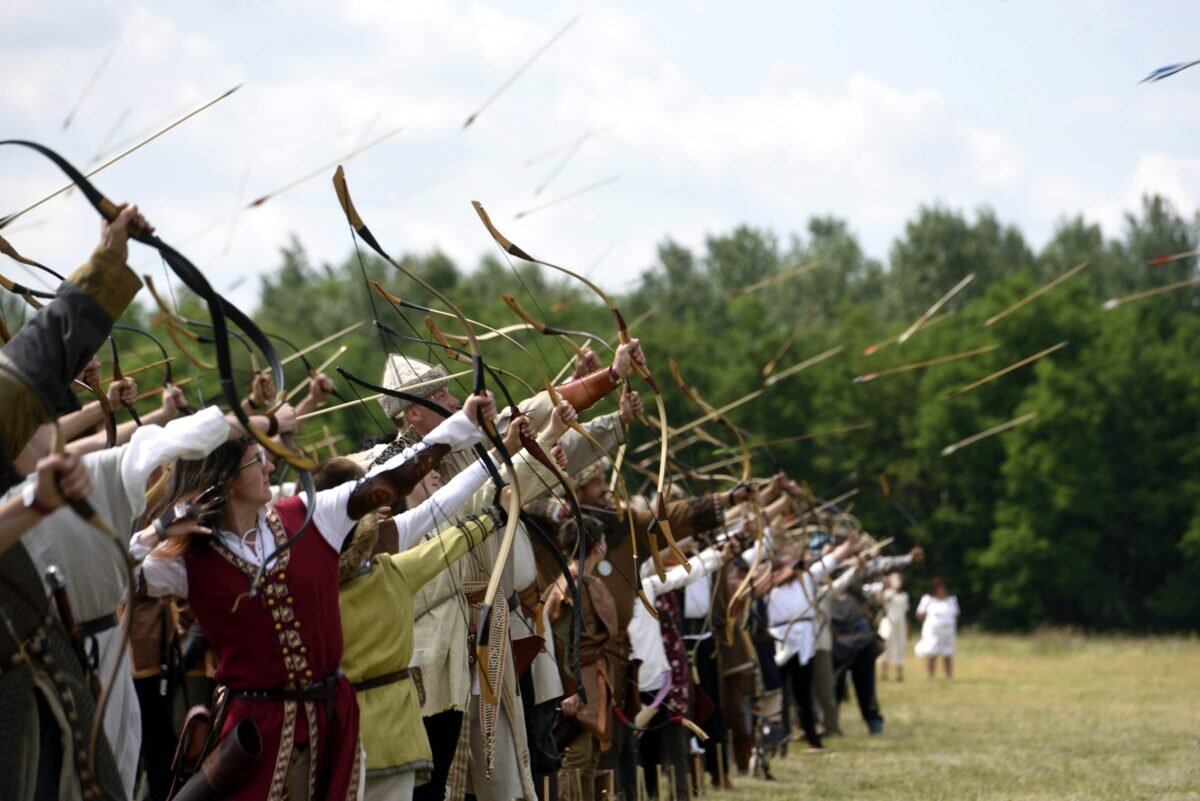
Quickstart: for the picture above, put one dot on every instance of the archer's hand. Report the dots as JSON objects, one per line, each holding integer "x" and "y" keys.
{"x": 114, "y": 236}
{"x": 917, "y": 554}
{"x": 262, "y": 390}
{"x": 626, "y": 356}
{"x": 560, "y": 420}
{"x": 631, "y": 407}
{"x": 62, "y": 477}
{"x": 319, "y": 388}
{"x": 559, "y": 455}
{"x": 172, "y": 401}
{"x": 285, "y": 415}
{"x": 517, "y": 429}
{"x": 123, "y": 391}
{"x": 91, "y": 373}
{"x": 586, "y": 362}
{"x": 479, "y": 408}
{"x": 742, "y": 493}
{"x": 571, "y": 705}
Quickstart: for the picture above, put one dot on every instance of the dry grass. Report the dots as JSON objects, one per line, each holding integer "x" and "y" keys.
{"x": 1052, "y": 716}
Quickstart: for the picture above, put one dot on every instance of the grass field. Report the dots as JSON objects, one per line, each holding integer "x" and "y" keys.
{"x": 1050, "y": 716}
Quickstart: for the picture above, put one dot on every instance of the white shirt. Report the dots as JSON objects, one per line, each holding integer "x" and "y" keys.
{"x": 95, "y": 571}
{"x": 645, "y": 633}
{"x": 168, "y": 576}
{"x": 790, "y": 610}
{"x": 939, "y": 612}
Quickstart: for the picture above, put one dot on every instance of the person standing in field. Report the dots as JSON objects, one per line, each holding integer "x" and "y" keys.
{"x": 893, "y": 628}
{"x": 938, "y": 613}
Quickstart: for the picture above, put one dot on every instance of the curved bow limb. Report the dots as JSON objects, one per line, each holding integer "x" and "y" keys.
{"x": 118, "y": 375}
{"x": 220, "y": 310}
{"x": 487, "y": 691}
{"x": 691, "y": 394}
{"x": 88, "y": 513}
{"x": 168, "y": 372}
{"x": 662, "y": 486}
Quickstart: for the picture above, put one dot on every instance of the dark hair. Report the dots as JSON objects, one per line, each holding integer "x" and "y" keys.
{"x": 333, "y": 472}
{"x": 568, "y": 536}
{"x": 938, "y": 583}
{"x": 191, "y": 478}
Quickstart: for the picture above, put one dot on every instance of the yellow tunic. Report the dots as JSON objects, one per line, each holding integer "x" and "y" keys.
{"x": 377, "y": 623}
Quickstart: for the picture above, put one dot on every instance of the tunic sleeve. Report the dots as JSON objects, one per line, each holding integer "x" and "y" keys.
{"x": 330, "y": 512}
{"x": 439, "y": 508}
{"x": 923, "y": 606}
{"x": 191, "y": 437}
{"x": 421, "y": 564}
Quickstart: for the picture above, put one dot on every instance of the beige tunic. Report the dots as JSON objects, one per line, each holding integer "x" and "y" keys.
{"x": 443, "y": 617}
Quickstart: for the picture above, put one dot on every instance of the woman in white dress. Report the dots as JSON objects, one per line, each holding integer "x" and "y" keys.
{"x": 938, "y": 613}
{"x": 894, "y": 626}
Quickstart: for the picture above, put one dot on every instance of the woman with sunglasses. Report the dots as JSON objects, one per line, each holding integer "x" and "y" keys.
{"x": 278, "y": 653}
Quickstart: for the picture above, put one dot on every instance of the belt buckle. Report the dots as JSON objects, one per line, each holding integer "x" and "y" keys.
{"x": 414, "y": 673}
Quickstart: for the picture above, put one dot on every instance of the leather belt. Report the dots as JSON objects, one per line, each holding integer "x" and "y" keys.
{"x": 323, "y": 690}
{"x": 413, "y": 673}
{"x": 90, "y": 628}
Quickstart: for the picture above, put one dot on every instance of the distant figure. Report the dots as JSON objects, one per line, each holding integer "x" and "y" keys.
{"x": 894, "y": 626}
{"x": 939, "y": 615}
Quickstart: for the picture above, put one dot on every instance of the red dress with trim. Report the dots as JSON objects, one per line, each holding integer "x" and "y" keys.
{"x": 291, "y": 638}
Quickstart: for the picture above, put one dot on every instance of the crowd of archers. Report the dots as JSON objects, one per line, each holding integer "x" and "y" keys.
{"x": 472, "y": 605}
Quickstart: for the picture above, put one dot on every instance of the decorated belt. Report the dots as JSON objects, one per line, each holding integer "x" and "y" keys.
{"x": 323, "y": 690}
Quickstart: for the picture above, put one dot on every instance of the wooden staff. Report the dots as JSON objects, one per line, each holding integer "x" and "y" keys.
{"x": 1007, "y": 370}
{"x": 322, "y": 169}
{"x": 774, "y": 279}
{"x": 942, "y": 301}
{"x": 528, "y": 63}
{"x": 1159, "y": 261}
{"x": 568, "y": 196}
{"x": 318, "y": 369}
{"x": 141, "y": 369}
{"x": 181, "y": 382}
{"x": 829, "y": 432}
{"x": 966, "y": 354}
{"x": 871, "y": 349}
{"x": 845, "y": 496}
{"x": 769, "y": 367}
{"x": 319, "y": 343}
{"x": 1034, "y": 295}
{"x": 1113, "y": 303}
{"x": 971, "y": 440}
{"x": 119, "y": 156}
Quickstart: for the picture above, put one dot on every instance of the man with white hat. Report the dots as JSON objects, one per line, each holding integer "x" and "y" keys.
{"x": 494, "y": 767}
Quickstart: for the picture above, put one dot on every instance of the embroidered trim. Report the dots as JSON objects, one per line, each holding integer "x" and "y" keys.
{"x": 314, "y": 748}
{"x": 287, "y": 741}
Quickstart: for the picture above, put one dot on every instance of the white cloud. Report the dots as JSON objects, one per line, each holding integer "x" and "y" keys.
{"x": 704, "y": 138}
{"x": 1174, "y": 177}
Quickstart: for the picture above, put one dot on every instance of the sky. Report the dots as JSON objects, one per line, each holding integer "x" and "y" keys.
{"x": 707, "y": 114}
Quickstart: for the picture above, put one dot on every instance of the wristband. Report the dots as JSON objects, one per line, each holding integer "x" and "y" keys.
{"x": 254, "y": 406}
{"x": 272, "y": 425}
{"x": 32, "y": 501}
{"x": 160, "y": 531}
{"x": 613, "y": 375}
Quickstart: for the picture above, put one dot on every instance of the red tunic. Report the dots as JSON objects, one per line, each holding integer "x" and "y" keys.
{"x": 290, "y": 637}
